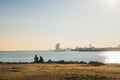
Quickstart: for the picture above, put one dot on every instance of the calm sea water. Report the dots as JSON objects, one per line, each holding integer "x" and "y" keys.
{"x": 28, "y": 56}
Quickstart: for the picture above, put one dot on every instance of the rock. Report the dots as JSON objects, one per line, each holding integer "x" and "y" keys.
{"x": 83, "y": 62}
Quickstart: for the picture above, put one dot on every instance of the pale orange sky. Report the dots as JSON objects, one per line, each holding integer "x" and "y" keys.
{"x": 39, "y": 24}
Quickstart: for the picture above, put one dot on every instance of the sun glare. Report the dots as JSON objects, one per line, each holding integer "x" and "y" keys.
{"x": 111, "y": 57}
{"x": 111, "y": 3}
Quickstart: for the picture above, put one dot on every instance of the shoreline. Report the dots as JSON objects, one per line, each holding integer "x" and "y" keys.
{"x": 95, "y": 63}
{"x": 60, "y": 62}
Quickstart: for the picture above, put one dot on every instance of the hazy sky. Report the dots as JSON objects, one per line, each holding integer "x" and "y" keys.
{"x": 40, "y": 24}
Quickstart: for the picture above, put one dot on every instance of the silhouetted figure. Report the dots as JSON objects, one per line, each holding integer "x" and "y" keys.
{"x": 35, "y": 59}
{"x": 41, "y": 60}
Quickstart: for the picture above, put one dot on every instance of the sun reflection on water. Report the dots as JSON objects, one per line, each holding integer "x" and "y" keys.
{"x": 111, "y": 57}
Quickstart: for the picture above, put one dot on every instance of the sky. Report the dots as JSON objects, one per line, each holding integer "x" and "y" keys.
{"x": 40, "y": 24}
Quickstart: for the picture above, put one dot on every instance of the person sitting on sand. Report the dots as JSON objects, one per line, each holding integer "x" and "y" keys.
{"x": 35, "y": 59}
{"x": 41, "y": 60}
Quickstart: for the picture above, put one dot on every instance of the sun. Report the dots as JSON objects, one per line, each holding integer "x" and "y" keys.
{"x": 109, "y": 2}
{"x": 112, "y": 2}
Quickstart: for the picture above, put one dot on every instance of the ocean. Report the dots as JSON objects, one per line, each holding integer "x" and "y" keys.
{"x": 28, "y": 56}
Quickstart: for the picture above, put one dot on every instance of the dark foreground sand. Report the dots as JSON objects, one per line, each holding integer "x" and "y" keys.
{"x": 59, "y": 72}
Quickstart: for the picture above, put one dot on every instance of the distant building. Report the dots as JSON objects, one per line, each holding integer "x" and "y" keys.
{"x": 90, "y": 46}
{"x": 119, "y": 46}
{"x": 57, "y": 46}
{"x": 58, "y": 49}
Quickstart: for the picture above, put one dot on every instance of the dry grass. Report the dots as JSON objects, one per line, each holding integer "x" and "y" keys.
{"x": 58, "y": 72}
